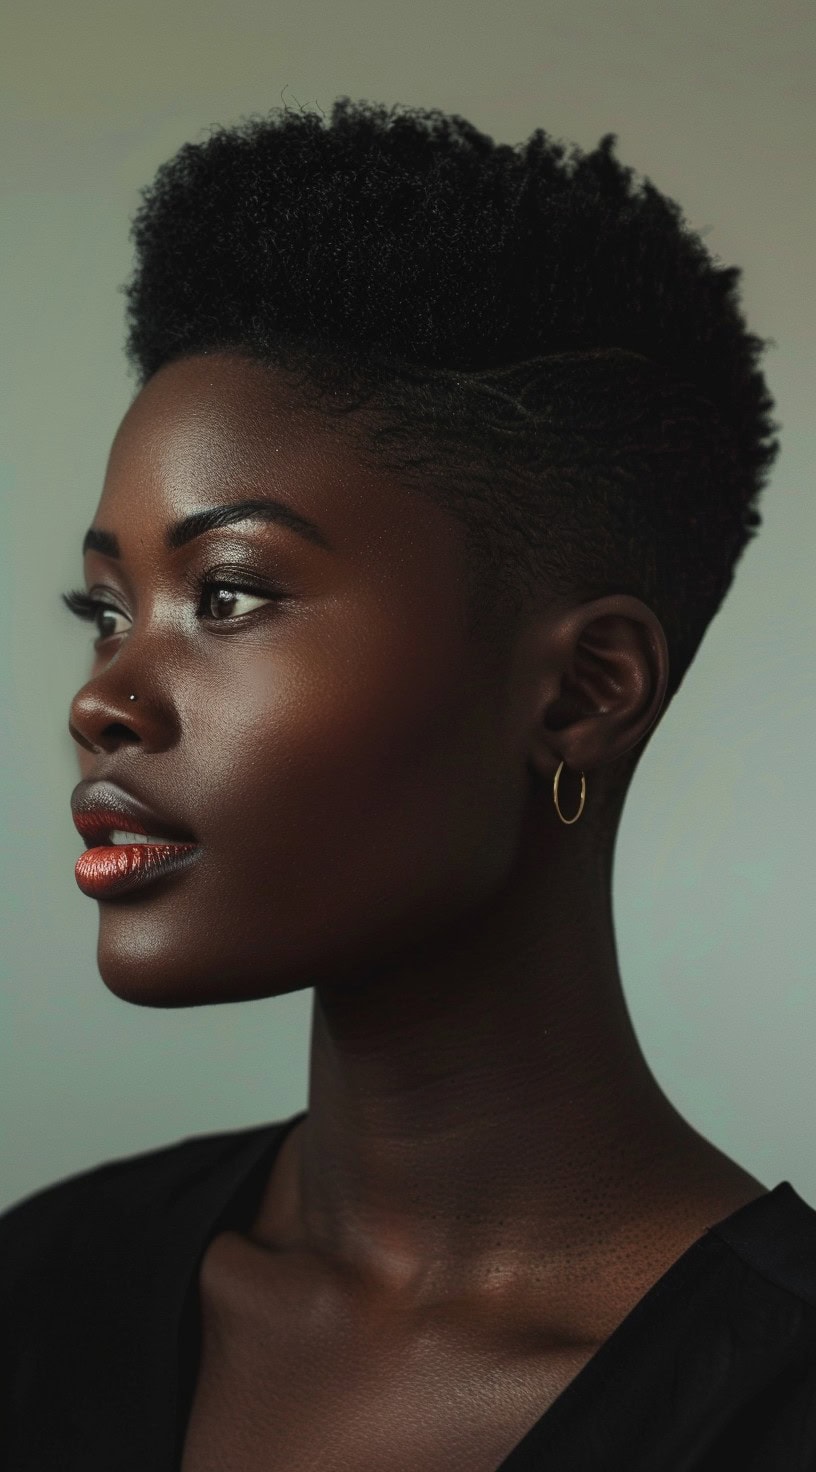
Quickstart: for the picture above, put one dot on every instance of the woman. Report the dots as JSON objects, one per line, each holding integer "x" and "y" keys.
{"x": 442, "y": 459}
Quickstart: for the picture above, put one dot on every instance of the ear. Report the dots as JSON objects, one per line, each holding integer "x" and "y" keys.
{"x": 603, "y": 669}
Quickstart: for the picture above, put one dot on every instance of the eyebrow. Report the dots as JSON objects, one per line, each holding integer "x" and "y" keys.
{"x": 198, "y": 522}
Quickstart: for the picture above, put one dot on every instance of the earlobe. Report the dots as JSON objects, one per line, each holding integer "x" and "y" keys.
{"x": 602, "y": 677}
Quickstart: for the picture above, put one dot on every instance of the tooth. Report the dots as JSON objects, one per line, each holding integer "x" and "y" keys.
{"x": 121, "y": 835}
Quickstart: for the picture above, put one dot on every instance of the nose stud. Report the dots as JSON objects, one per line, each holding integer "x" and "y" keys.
{"x": 131, "y": 697}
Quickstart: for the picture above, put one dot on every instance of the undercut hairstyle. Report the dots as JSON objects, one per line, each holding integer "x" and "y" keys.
{"x": 526, "y": 333}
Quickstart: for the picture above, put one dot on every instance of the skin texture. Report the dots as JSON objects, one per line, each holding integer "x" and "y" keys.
{"x": 485, "y": 1142}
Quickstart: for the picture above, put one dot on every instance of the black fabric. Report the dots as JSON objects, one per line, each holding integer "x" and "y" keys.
{"x": 714, "y": 1368}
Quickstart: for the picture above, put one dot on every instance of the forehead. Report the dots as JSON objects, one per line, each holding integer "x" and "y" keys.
{"x": 217, "y": 428}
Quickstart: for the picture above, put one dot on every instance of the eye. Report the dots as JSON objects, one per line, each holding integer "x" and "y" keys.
{"x": 226, "y": 600}
{"x": 218, "y": 600}
{"x": 95, "y": 611}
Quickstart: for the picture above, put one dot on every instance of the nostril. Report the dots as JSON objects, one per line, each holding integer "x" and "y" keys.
{"x": 80, "y": 739}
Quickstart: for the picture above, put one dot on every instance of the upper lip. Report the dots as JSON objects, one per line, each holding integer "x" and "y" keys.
{"x": 100, "y": 807}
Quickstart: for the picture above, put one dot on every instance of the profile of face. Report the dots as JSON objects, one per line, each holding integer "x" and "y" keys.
{"x": 311, "y": 705}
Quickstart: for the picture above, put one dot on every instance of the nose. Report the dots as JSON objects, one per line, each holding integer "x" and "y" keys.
{"x": 103, "y": 717}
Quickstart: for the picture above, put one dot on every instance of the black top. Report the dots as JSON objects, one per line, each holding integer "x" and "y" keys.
{"x": 714, "y": 1368}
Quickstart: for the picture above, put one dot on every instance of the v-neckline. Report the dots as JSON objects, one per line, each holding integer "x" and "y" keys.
{"x": 235, "y": 1208}
{"x": 618, "y": 1349}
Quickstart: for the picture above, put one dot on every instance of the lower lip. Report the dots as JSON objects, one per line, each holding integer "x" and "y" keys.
{"x": 115, "y": 869}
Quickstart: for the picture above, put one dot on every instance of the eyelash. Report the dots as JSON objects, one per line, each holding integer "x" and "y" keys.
{"x": 84, "y": 606}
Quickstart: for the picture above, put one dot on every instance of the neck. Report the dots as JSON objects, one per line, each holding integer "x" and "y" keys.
{"x": 480, "y": 1100}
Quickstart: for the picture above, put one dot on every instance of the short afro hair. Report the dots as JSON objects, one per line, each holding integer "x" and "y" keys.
{"x": 524, "y": 332}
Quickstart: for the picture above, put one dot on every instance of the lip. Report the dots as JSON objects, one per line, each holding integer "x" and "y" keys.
{"x": 97, "y": 807}
{"x": 106, "y": 869}
{"x": 116, "y": 869}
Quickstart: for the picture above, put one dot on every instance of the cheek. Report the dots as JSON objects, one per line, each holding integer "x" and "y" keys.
{"x": 349, "y": 800}
{"x": 316, "y": 758}
{"x": 342, "y": 806}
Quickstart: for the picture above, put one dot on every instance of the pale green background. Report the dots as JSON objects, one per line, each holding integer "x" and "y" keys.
{"x": 714, "y": 894}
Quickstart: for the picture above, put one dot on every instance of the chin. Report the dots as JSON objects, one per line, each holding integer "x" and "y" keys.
{"x": 140, "y": 965}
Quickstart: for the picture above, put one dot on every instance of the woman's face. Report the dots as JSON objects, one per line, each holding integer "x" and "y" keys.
{"x": 341, "y": 749}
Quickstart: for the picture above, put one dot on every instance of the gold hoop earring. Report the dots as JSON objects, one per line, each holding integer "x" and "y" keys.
{"x": 556, "y": 780}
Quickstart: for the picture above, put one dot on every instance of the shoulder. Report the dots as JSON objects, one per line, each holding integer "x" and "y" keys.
{"x": 774, "y": 1235}
{"x": 95, "y": 1271}
{"x": 65, "y": 1220}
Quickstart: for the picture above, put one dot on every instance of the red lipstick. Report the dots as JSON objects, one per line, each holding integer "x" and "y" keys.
{"x": 111, "y": 869}
{"x": 108, "y": 817}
